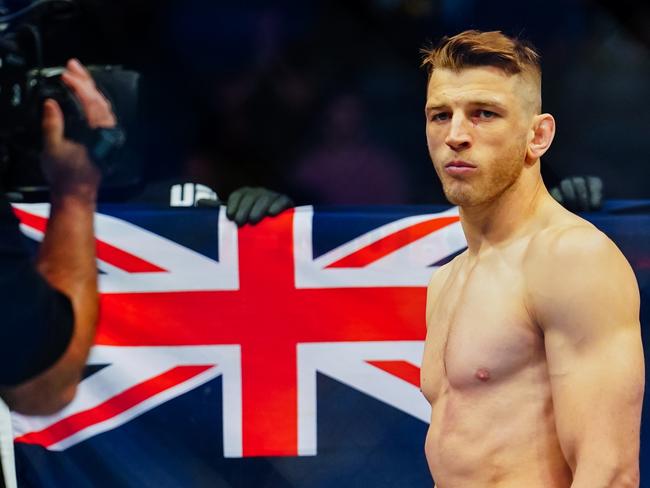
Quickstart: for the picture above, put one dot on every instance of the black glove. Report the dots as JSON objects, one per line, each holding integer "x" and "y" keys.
{"x": 579, "y": 193}
{"x": 250, "y": 205}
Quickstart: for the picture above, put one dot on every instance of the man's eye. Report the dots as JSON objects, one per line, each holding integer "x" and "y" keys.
{"x": 486, "y": 114}
{"x": 439, "y": 117}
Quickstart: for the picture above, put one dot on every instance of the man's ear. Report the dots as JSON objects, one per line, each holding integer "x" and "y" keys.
{"x": 543, "y": 131}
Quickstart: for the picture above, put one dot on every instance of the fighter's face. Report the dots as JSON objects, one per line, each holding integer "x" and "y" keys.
{"x": 478, "y": 124}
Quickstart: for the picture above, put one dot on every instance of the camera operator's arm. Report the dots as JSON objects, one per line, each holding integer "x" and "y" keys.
{"x": 67, "y": 254}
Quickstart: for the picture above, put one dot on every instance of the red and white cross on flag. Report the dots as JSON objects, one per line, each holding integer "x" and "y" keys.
{"x": 267, "y": 316}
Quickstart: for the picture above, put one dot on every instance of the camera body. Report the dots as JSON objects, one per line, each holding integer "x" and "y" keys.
{"x": 24, "y": 86}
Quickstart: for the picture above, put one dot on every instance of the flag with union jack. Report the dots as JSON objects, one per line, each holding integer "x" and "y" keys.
{"x": 284, "y": 354}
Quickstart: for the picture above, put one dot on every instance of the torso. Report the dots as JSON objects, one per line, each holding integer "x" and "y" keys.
{"x": 484, "y": 372}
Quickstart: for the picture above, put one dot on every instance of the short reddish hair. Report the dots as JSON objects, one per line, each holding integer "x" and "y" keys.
{"x": 473, "y": 48}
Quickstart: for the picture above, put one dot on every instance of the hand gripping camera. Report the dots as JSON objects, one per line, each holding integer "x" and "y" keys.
{"x": 24, "y": 86}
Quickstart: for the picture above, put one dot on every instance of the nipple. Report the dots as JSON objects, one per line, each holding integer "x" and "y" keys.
{"x": 482, "y": 374}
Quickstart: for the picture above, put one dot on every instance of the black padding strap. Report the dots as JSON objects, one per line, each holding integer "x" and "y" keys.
{"x": 103, "y": 142}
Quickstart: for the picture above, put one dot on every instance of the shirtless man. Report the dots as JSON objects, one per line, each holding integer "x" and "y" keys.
{"x": 533, "y": 362}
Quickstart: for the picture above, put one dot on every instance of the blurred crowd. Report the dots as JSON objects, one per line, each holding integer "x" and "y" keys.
{"x": 324, "y": 100}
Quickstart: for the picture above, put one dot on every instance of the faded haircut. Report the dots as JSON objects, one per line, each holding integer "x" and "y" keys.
{"x": 473, "y": 48}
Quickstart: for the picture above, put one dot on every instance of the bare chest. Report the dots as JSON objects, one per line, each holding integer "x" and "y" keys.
{"x": 478, "y": 331}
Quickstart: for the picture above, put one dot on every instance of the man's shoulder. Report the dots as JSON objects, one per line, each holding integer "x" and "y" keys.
{"x": 440, "y": 274}
{"x": 569, "y": 243}
{"x": 573, "y": 257}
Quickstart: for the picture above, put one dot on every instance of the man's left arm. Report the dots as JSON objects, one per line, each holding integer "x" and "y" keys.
{"x": 586, "y": 300}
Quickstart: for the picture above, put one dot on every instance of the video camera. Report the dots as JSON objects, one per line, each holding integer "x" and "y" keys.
{"x": 25, "y": 84}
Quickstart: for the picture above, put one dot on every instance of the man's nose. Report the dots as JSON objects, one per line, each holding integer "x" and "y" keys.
{"x": 459, "y": 137}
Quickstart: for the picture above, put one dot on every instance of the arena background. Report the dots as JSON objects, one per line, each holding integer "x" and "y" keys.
{"x": 323, "y": 100}
{"x": 265, "y": 92}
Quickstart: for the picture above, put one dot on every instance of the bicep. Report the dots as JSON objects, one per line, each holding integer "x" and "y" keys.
{"x": 37, "y": 324}
{"x": 597, "y": 389}
{"x": 37, "y": 319}
{"x": 587, "y": 304}
{"x": 38, "y": 335}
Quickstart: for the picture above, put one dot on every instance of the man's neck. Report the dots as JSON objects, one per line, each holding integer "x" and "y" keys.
{"x": 505, "y": 218}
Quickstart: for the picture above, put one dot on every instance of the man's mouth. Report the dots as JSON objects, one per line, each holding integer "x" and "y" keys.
{"x": 459, "y": 164}
{"x": 458, "y": 167}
